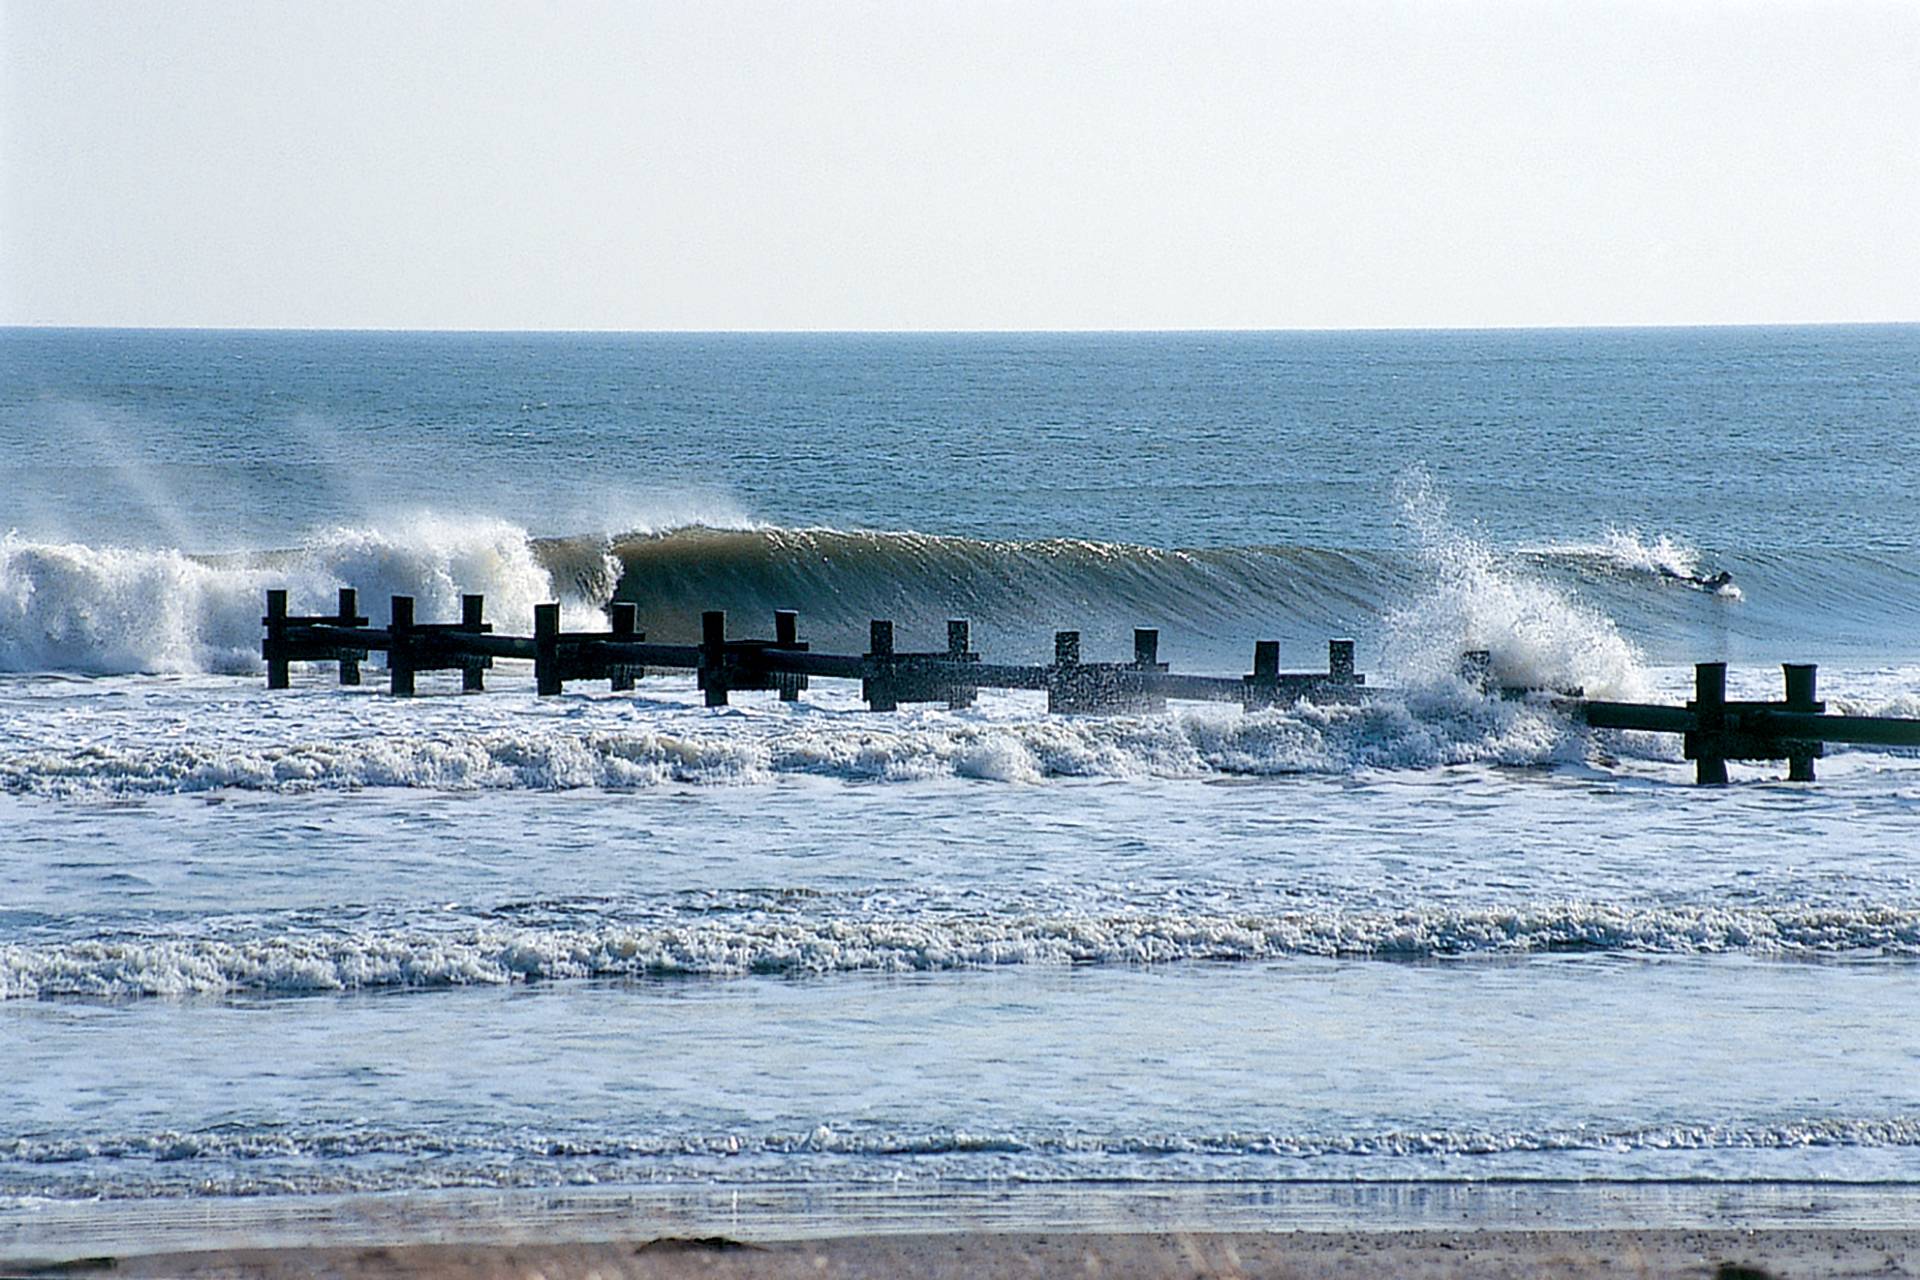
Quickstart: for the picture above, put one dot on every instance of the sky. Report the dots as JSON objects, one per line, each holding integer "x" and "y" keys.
{"x": 1037, "y": 164}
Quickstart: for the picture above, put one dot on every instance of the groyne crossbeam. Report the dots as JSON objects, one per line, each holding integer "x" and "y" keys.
{"x": 1714, "y": 728}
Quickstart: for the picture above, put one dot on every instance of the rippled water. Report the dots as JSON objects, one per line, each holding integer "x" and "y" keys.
{"x": 321, "y": 941}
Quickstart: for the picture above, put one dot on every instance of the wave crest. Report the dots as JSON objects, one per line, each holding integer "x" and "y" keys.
{"x": 496, "y": 955}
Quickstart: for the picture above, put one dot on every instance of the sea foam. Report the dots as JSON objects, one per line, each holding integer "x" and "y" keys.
{"x": 406, "y": 957}
{"x": 106, "y": 610}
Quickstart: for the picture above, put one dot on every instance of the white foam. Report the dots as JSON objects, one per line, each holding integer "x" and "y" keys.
{"x": 310, "y": 1143}
{"x": 103, "y": 610}
{"x": 340, "y": 742}
{"x": 1539, "y": 635}
{"x": 760, "y": 944}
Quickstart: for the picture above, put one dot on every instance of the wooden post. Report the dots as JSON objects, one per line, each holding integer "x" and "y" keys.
{"x": 623, "y": 617}
{"x": 959, "y": 644}
{"x": 713, "y": 656}
{"x": 1476, "y": 668}
{"x": 400, "y": 648}
{"x": 1340, "y": 661}
{"x": 274, "y": 647}
{"x": 1146, "y": 647}
{"x": 1802, "y": 690}
{"x": 349, "y": 610}
{"x": 546, "y": 650}
{"x": 1066, "y": 691}
{"x": 473, "y": 612}
{"x": 786, "y": 635}
{"x": 1266, "y": 659}
{"x": 878, "y": 687}
{"x": 1710, "y": 713}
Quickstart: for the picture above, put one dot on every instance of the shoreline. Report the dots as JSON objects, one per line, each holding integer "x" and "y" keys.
{"x": 1723, "y": 1254}
{"x": 1117, "y": 1229}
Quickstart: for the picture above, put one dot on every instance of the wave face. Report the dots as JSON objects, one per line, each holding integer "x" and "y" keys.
{"x": 1580, "y": 613}
{"x": 402, "y": 957}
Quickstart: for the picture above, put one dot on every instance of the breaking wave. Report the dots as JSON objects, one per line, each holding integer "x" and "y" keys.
{"x": 1573, "y": 614}
{"x": 106, "y": 610}
{"x": 405, "y": 957}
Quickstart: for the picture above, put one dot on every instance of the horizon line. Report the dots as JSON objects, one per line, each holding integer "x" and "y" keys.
{"x": 961, "y": 332}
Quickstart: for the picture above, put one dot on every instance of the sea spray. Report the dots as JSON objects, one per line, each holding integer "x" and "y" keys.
{"x": 106, "y": 610}
{"x": 1540, "y": 635}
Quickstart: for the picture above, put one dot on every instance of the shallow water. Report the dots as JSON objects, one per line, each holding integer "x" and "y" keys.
{"x": 323, "y": 942}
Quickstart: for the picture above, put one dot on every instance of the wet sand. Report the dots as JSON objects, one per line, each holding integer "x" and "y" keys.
{"x": 1719, "y": 1254}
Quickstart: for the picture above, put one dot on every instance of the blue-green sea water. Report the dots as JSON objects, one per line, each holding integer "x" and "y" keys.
{"x": 322, "y": 941}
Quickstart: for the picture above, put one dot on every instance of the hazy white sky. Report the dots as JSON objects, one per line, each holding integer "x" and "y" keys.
{"x": 1032, "y": 164}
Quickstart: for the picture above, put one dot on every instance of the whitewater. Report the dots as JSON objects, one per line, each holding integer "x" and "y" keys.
{"x": 322, "y": 941}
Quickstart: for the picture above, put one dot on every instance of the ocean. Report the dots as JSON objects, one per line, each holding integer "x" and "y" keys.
{"x": 284, "y": 946}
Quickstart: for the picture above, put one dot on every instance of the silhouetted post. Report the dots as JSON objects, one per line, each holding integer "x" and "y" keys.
{"x": 1340, "y": 661}
{"x": 786, "y": 635}
{"x": 1710, "y": 715}
{"x": 400, "y": 647}
{"x": 623, "y": 617}
{"x": 1066, "y": 684}
{"x": 713, "y": 656}
{"x": 1261, "y": 689}
{"x": 546, "y": 650}
{"x": 1476, "y": 668}
{"x": 1802, "y": 689}
{"x": 274, "y": 647}
{"x": 473, "y": 612}
{"x": 349, "y": 611}
{"x": 959, "y": 645}
{"x": 1146, "y": 647}
{"x": 878, "y": 687}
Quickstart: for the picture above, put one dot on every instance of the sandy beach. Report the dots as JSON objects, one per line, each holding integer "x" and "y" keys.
{"x": 1725, "y": 1254}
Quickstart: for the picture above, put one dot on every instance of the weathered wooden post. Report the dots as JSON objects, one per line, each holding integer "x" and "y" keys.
{"x": 1146, "y": 648}
{"x": 623, "y": 616}
{"x": 1261, "y": 689}
{"x": 1340, "y": 661}
{"x": 786, "y": 635}
{"x": 959, "y": 649}
{"x": 546, "y": 650}
{"x": 1476, "y": 668}
{"x": 878, "y": 687}
{"x": 274, "y": 646}
{"x": 1146, "y": 657}
{"x": 1709, "y": 706}
{"x": 1066, "y": 685}
{"x": 1802, "y": 687}
{"x": 349, "y": 610}
{"x": 713, "y": 656}
{"x": 400, "y": 647}
{"x": 473, "y": 613}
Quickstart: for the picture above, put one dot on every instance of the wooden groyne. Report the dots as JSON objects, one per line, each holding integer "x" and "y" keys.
{"x": 888, "y": 676}
{"x": 1714, "y": 730}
